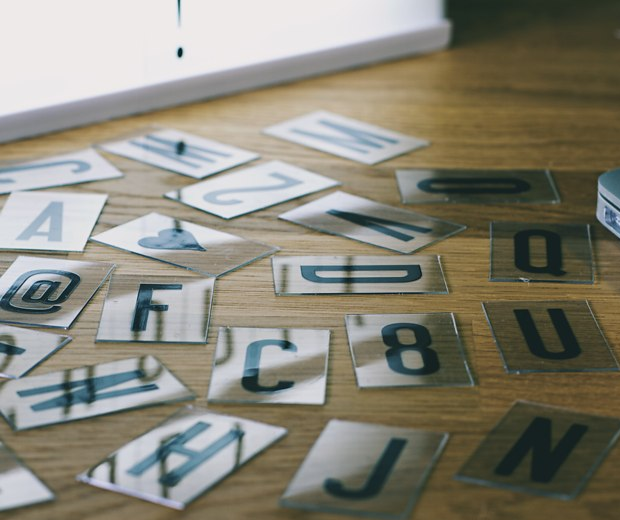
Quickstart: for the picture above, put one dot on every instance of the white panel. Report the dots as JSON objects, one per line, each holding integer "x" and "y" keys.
{"x": 69, "y": 62}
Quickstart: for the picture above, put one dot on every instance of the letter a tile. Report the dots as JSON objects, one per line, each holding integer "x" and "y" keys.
{"x": 48, "y": 292}
{"x": 183, "y": 457}
{"x": 345, "y": 137}
{"x": 49, "y": 221}
{"x": 22, "y": 349}
{"x": 365, "y": 469}
{"x": 542, "y": 450}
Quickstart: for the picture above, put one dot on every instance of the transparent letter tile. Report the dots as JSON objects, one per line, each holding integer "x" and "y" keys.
{"x": 541, "y": 450}
{"x": 365, "y": 469}
{"x": 345, "y": 137}
{"x": 177, "y": 242}
{"x": 22, "y": 349}
{"x": 390, "y": 350}
{"x": 251, "y": 189}
{"x": 179, "y": 152}
{"x": 283, "y": 366}
{"x": 59, "y": 170}
{"x": 48, "y": 292}
{"x": 79, "y": 393}
{"x": 541, "y": 252}
{"x": 49, "y": 221}
{"x": 548, "y": 336}
{"x": 183, "y": 457}
{"x": 367, "y": 221}
{"x": 157, "y": 309}
{"x": 419, "y": 274}
{"x": 476, "y": 186}
{"x": 19, "y": 486}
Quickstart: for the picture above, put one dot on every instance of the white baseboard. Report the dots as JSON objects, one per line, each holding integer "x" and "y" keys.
{"x": 65, "y": 115}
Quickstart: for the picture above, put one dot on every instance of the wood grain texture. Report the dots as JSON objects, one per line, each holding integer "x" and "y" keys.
{"x": 524, "y": 86}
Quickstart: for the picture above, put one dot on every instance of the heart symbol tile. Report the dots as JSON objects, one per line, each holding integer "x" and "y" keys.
{"x": 172, "y": 238}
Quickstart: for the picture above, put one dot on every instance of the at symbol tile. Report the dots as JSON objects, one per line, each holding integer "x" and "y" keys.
{"x": 48, "y": 292}
{"x": 244, "y": 191}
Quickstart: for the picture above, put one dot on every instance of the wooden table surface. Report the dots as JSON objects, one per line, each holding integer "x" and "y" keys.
{"x": 525, "y": 85}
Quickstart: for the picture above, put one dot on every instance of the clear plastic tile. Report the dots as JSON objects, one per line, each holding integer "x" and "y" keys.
{"x": 418, "y": 186}
{"x": 58, "y": 170}
{"x": 527, "y": 252}
{"x": 274, "y": 366}
{"x": 390, "y": 350}
{"x": 251, "y": 189}
{"x": 19, "y": 486}
{"x": 365, "y": 469}
{"x": 80, "y": 393}
{"x": 49, "y": 221}
{"x": 542, "y": 450}
{"x": 48, "y": 292}
{"x": 419, "y": 274}
{"x": 156, "y": 309}
{"x": 179, "y": 152}
{"x": 177, "y": 242}
{"x": 345, "y": 137}
{"x": 182, "y": 458}
{"x": 367, "y": 221}
{"x": 548, "y": 336}
{"x": 21, "y": 349}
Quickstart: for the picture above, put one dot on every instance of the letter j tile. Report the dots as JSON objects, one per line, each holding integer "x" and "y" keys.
{"x": 365, "y": 469}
